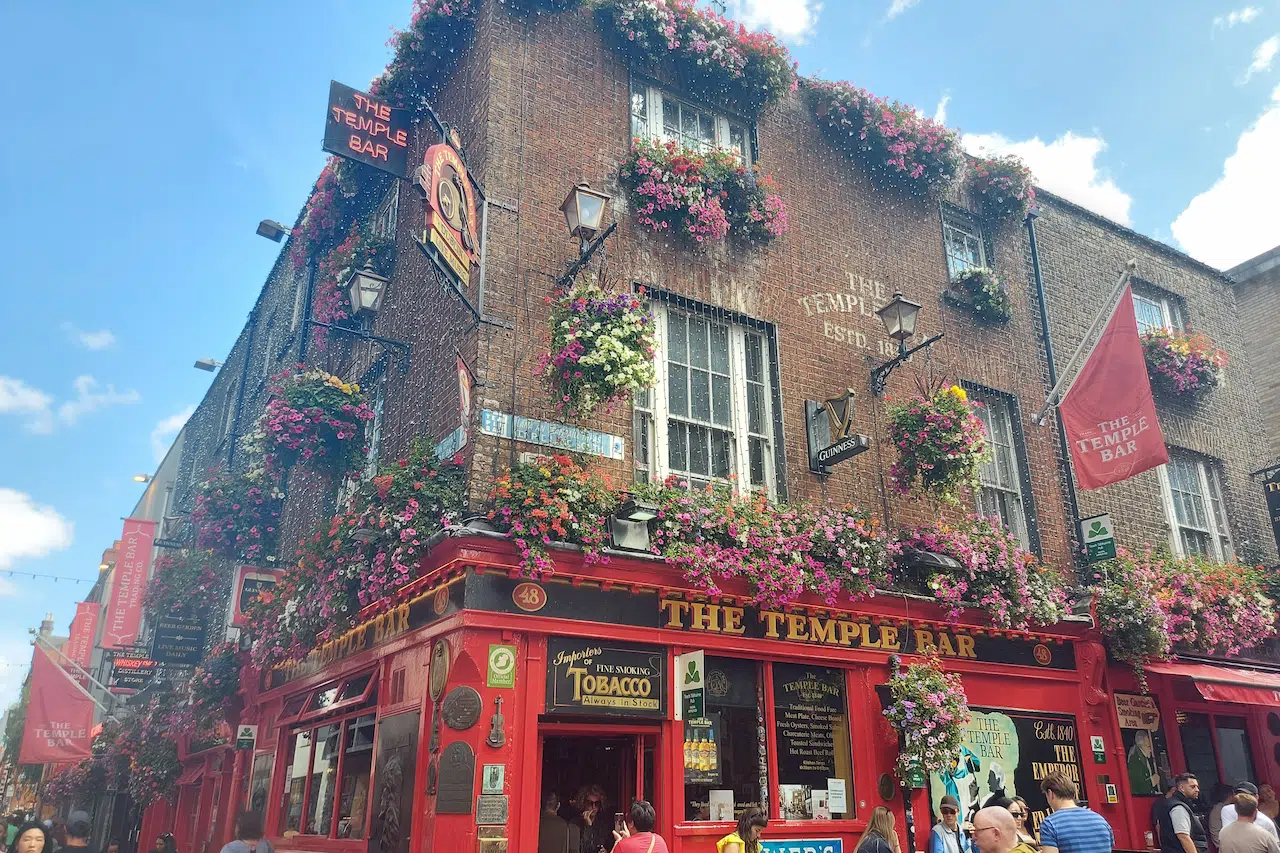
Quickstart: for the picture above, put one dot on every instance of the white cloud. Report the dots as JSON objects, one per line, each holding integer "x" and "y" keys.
{"x": 19, "y": 398}
{"x": 101, "y": 339}
{"x": 898, "y": 7}
{"x": 1237, "y": 16}
{"x": 30, "y": 530}
{"x": 791, "y": 20}
{"x": 163, "y": 433}
{"x": 940, "y": 114}
{"x": 89, "y": 399}
{"x": 1263, "y": 54}
{"x": 1235, "y": 219}
{"x": 1067, "y": 166}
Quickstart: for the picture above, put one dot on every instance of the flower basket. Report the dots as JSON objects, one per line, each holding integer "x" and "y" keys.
{"x": 311, "y": 415}
{"x": 602, "y": 348}
{"x": 237, "y": 518}
{"x": 718, "y": 59}
{"x": 701, "y": 198}
{"x": 1182, "y": 365}
{"x": 183, "y": 583}
{"x": 941, "y": 444}
{"x": 894, "y": 142}
{"x": 928, "y": 709}
{"x": 981, "y": 292}
{"x": 1003, "y": 185}
{"x": 216, "y": 683}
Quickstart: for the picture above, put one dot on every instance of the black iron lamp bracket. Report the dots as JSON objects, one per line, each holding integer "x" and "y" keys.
{"x": 880, "y": 375}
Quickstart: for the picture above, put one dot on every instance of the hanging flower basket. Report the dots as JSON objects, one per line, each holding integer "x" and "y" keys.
{"x": 1003, "y": 186}
{"x": 701, "y": 198}
{"x": 895, "y": 143}
{"x": 941, "y": 444}
{"x": 311, "y": 415}
{"x": 602, "y": 348}
{"x": 183, "y": 583}
{"x": 1182, "y": 365}
{"x": 237, "y": 518}
{"x": 928, "y": 709}
{"x": 716, "y": 59}
{"x": 980, "y": 291}
{"x": 216, "y": 682}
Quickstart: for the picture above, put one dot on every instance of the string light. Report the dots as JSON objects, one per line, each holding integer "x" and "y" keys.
{"x": 54, "y": 578}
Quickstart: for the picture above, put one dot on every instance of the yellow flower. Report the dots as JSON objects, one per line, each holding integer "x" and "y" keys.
{"x": 335, "y": 382}
{"x": 958, "y": 392}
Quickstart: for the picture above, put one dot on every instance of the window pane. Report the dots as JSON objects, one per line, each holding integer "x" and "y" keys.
{"x": 1197, "y": 746}
{"x": 755, "y": 408}
{"x": 688, "y": 122}
{"x": 707, "y": 129}
{"x": 698, "y": 356}
{"x": 700, "y": 394}
{"x": 642, "y": 399}
{"x": 720, "y": 399}
{"x": 1148, "y": 313}
{"x": 757, "y": 452}
{"x": 738, "y": 140}
{"x": 324, "y": 773}
{"x": 677, "y": 447}
{"x": 260, "y": 782}
{"x": 755, "y": 359}
{"x": 639, "y": 112}
{"x": 671, "y": 119}
{"x": 642, "y": 438}
{"x": 734, "y": 710}
{"x": 677, "y": 349}
{"x": 295, "y": 788}
{"x": 699, "y": 451}
{"x": 355, "y": 687}
{"x": 1233, "y": 746}
{"x": 812, "y": 723}
{"x": 678, "y": 390}
{"x": 324, "y": 698}
{"x": 719, "y": 348}
{"x": 720, "y": 466}
{"x": 354, "y": 804}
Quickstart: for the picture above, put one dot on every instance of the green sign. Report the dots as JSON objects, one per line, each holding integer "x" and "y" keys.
{"x": 691, "y": 682}
{"x": 502, "y": 666}
{"x": 1099, "y": 538}
{"x": 915, "y": 778}
{"x": 246, "y": 737}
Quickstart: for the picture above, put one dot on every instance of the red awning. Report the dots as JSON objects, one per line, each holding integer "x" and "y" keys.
{"x": 1226, "y": 683}
{"x": 191, "y": 775}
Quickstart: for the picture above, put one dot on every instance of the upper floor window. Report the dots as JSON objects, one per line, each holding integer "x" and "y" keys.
{"x": 659, "y": 116}
{"x": 1192, "y": 487}
{"x": 1156, "y": 309}
{"x": 711, "y": 416}
{"x": 962, "y": 239}
{"x": 384, "y": 219}
{"x": 1000, "y": 497}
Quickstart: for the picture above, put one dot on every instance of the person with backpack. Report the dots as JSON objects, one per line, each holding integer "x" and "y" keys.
{"x": 248, "y": 836}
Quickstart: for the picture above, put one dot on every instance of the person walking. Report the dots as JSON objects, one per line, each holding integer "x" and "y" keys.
{"x": 746, "y": 837}
{"x": 946, "y": 837}
{"x": 33, "y": 837}
{"x": 1071, "y": 828}
{"x": 880, "y": 836}
{"x": 1229, "y": 811}
{"x": 1267, "y": 802}
{"x": 994, "y": 830}
{"x": 248, "y": 835}
{"x": 637, "y": 835}
{"x": 78, "y": 828}
{"x": 1181, "y": 830}
{"x": 1243, "y": 835}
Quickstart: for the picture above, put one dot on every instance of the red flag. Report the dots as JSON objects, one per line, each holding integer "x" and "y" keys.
{"x": 1108, "y": 413}
{"x": 59, "y": 716}
{"x": 84, "y": 629}
{"x": 133, "y": 559}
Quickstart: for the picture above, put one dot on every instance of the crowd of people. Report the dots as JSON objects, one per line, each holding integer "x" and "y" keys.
{"x": 25, "y": 834}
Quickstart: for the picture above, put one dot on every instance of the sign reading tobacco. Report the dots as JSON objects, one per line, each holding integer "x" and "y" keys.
{"x": 602, "y": 678}
{"x": 363, "y": 128}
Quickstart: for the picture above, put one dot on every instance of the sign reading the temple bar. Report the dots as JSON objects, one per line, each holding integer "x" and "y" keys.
{"x": 597, "y": 677}
{"x": 830, "y": 429}
{"x": 450, "y": 237}
{"x": 1271, "y": 486}
{"x": 366, "y": 129}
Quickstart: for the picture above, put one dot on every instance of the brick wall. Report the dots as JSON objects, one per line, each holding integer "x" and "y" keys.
{"x": 1258, "y": 294}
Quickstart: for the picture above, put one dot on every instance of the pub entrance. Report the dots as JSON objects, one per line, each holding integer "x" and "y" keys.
{"x": 613, "y": 764}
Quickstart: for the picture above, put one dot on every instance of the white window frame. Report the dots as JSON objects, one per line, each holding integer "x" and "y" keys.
{"x": 1158, "y": 302}
{"x": 656, "y": 101}
{"x": 375, "y": 430}
{"x": 1208, "y": 480}
{"x": 968, "y": 227}
{"x": 658, "y": 412}
{"x": 996, "y": 414}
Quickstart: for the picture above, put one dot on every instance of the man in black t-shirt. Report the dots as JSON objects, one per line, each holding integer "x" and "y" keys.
{"x": 78, "y": 829}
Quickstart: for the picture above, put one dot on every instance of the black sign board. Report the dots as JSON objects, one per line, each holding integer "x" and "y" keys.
{"x": 366, "y": 129}
{"x": 1271, "y": 486}
{"x": 251, "y": 586}
{"x": 812, "y": 724}
{"x": 178, "y": 641}
{"x": 597, "y": 677}
{"x": 132, "y": 671}
{"x": 457, "y": 779}
{"x": 829, "y": 426}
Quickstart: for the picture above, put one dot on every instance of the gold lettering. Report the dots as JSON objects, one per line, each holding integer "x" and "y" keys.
{"x": 889, "y": 638}
{"x": 733, "y": 620}
{"x": 796, "y": 627}
{"x": 924, "y": 640}
{"x": 848, "y": 631}
{"x": 772, "y": 621}
{"x": 706, "y": 617}
{"x": 944, "y": 644}
{"x": 964, "y": 646}
{"x": 675, "y": 611}
{"x": 822, "y": 630}
{"x": 866, "y": 636}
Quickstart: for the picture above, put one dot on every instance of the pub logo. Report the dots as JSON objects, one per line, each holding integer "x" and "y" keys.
{"x": 830, "y": 432}
{"x": 450, "y": 237}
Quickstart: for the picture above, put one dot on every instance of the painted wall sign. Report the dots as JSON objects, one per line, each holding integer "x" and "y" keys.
{"x": 1146, "y": 755}
{"x": 599, "y": 677}
{"x": 1271, "y": 488}
{"x": 848, "y": 317}
{"x": 559, "y": 436}
{"x": 364, "y": 128}
{"x": 1009, "y": 751}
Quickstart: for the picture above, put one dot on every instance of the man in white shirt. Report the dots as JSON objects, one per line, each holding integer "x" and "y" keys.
{"x": 1229, "y": 811}
{"x": 1243, "y": 835}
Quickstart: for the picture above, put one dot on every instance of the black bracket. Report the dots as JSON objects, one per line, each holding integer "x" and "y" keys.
{"x": 365, "y": 335}
{"x": 880, "y": 375}
{"x": 584, "y": 257}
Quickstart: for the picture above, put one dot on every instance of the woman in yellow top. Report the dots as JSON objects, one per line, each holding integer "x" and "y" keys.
{"x": 746, "y": 838}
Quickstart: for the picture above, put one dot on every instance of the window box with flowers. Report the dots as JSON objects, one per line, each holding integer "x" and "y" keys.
{"x": 1003, "y": 186}
{"x": 928, "y": 709}
{"x": 980, "y": 291}
{"x": 1182, "y": 365}
{"x": 941, "y": 444}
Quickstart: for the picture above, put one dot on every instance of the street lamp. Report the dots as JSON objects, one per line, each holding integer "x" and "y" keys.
{"x": 142, "y": 478}
{"x": 364, "y": 289}
{"x": 899, "y": 318}
{"x": 583, "y": 210}
{"x": 272, "y": 230}
{"x": 209, "y": 364}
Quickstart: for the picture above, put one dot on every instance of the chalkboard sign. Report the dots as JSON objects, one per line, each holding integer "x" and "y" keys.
{"x": 812, "y": 723}
{"x": 602, "y": 678}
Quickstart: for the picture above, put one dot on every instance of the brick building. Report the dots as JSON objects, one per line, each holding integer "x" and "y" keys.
{"x": 1258, "y": 294}
{"x": 540, "y": 103}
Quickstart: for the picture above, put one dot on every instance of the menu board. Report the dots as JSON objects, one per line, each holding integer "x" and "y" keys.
{"x": 1146, "y": 758}
{"x": 812, "y": 729}
{"x": 1008, "y": 753}
{"x": 600, "y": 677}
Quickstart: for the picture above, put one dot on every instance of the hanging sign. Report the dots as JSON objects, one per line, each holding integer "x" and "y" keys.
{"x": 128, "y": 581}
{"x": 84, "y": 630}
{"x": 178, "y": 641}
{"x": 1099, "y": 538}
{"x": 830, "y": 430}
{"x": 251, "y": 582}
{"x": 59, "y": 719}
{"x": 691, "y": 684}
{"x": 588, "y": 676}
{"x": 246, "y": 736}
{"x": 450, "y": 237}
{"x": 1271, "y": 487}
{"x": 363, "y": 128}
{"x": 131, "y": 669}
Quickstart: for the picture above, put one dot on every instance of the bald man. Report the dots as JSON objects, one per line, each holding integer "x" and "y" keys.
{"x": 994, "y": 831}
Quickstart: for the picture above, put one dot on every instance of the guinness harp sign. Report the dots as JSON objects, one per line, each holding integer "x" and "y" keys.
{"x": 831, "y": 437}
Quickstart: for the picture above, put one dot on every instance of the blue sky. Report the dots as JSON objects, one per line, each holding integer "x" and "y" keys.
{"x": 145, "y": 142}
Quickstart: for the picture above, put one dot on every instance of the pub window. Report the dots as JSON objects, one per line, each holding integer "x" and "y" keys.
{"x": 811, "y": 722}
{"x": 384, "y": 220}
{"x": 711, "y": 416}
{"x": 724, "y": 766}
{"x": 1192, "y": 489}
{"x": 963, "y": 242}
{"x": 661, "y": 117}
{"x": 1001, "y": 496}
{"x": 260, "y": 782}
{"x": 1155, "y": 309}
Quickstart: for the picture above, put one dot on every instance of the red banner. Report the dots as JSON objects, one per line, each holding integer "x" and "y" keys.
{"x": 84, "y": 629}
{"x": 133, "y": 559}
{"x": 59, "y": 724}
{"x": 1109, "y": 414}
